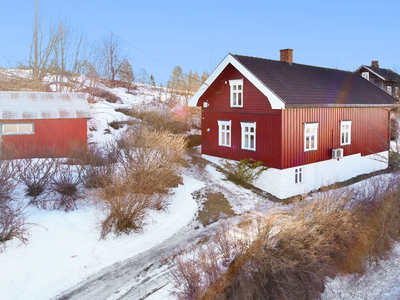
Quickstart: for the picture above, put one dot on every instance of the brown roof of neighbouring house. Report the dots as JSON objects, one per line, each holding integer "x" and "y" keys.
{"x": 302, "y": 85}
{"x": 389, "y": 75}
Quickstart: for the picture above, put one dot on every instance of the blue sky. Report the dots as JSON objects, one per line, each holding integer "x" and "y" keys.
{"x": 196, "y": 35}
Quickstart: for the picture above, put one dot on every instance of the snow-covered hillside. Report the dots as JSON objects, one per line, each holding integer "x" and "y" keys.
{"x": 65, "y": 248}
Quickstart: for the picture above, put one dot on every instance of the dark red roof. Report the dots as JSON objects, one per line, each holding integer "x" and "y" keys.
{"x": 301, "y": 85}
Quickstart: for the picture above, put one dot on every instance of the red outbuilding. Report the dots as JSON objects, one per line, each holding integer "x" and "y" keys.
{"x": 311, "y": 126}
{"x": 36, "y": 124}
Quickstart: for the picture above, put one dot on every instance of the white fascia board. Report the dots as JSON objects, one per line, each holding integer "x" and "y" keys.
{"x": 275, "y": 101}
{"x": 383, "y": 78}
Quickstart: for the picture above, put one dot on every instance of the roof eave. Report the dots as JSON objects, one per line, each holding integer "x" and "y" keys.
{"x": 275, "y": 101}
{"x": 380, "y": 76}
{"x": 327, "y": 105}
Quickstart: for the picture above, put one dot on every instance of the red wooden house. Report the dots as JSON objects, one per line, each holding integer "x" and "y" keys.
{"x": 35, "y": 124}
{"x": 312, "y": 126}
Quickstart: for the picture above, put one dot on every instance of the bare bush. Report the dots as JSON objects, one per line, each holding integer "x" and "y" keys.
{"x": 12, "y": 222}
{"x": 125, "y": 210}
{"x": 101, "y": 93}
{"x": 152, "y": 159}
{"x": 194, "y": 271}
{"x": 162, "y": 120}
{"x": 97, "y": 164}
{"x": 8, "y": 178}
{"x": 64, "y": 183}
{"x": 245, "y": 170}
{"x": 338, "y": 231}
{"x": 36, "y": 173}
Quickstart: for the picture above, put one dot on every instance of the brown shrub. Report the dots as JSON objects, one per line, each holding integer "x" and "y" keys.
{"x": 161, "y": 119}
{"x": 152, "y": 159}
{"x": 65, "y": 182}
{"x": 338, "y": 231}
{"x": 12, "y": 222}
{"x": 125, "y": 210}
{"x": 101, "y": 93}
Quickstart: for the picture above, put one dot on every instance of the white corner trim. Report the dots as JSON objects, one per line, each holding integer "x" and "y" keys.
{"x": 275, "y": 101}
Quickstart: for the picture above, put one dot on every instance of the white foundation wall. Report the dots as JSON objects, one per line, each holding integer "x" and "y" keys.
{"x": 281, "y": 183}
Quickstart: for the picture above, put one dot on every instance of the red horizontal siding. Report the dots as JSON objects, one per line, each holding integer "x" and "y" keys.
{"x": 50, "y": 134}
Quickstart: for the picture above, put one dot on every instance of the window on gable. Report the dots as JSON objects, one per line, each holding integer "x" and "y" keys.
{"x": 17, "y": 128}
{"x": 236, "y": 92}
{"x": 345, "y": 133}
{"x": 248, "y": 135}
{"x": 365, "y": 75}
{"x": 224, "y": 136}
{"x": 389, "y": 89}
{"x": 298, "y": 175}
{"x": 310, "y": 136}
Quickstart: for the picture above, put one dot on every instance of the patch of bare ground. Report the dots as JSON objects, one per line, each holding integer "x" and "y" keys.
{"x": 214, "y": 207}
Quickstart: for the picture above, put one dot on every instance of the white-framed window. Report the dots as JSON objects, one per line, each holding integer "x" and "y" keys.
{"x": 365, "y": 75}
{"x": 236, "y": 92}
{"x": 224, "y": 133}
{"x": 298, "y": 175}
{"x": 17, "y": 128}
{"x": 310, "y": 136}
{"x": 248, "y": 135}
{"x": 345, "y": 133}
{"x": 389, "y": 89}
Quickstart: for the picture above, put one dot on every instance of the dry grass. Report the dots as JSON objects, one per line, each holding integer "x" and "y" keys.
{"x": 125, "y": 209}
{"x": 96, "y": 92}
{"x": 152, "y": 159}
{"x": 338, "y": 231}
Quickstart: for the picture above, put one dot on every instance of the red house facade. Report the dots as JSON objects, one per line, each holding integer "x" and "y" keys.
{"x": 36, "y": 124}
{"x": 312, "y": 126}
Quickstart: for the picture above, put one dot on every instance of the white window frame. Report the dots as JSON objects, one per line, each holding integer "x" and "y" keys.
{"x": 298, "y": 175}
{"x": 224, "y": 133}
{"x": 365, "y": 75}
{"x": 389, "y": 89}
{"x": 345, "y": 133}
{"x": 310, "y": 133}
{"x": 19, "y": 128}
{"x": 248, "y": 135}
{"x": 236, "y": 92}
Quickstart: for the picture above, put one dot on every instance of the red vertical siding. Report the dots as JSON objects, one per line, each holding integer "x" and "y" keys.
{"x": 50, "y": 134}
{"x": 369, "y": 133}
{"x": 280, "y": 134}
{"x": 218, "y": 94}
{"x": 268, "y": 137}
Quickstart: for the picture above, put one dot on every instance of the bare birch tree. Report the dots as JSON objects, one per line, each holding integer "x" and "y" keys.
{"x": 110, "y": 52}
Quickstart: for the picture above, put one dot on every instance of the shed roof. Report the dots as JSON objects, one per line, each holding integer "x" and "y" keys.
{"x": 39, "y": 105}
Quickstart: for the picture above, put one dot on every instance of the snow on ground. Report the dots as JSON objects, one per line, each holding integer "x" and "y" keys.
{"x": 379, "y": 282}
{"x": 64, "y": 248}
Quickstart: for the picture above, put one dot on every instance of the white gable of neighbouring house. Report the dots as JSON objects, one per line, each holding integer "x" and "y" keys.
{"x": 38, "y": 105}
{"x": 275, "y": 101}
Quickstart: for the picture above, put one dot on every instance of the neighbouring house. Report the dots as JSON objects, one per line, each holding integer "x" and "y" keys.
{"x": 312, "y": 126}
{"x": 386, "y": 79}
{"x": 35, "y": 124}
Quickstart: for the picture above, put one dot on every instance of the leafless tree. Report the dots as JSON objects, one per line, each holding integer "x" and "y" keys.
{"x": 110, "y": 52}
